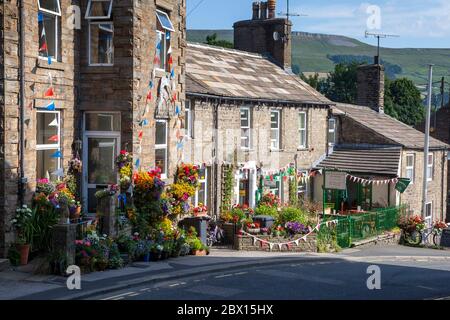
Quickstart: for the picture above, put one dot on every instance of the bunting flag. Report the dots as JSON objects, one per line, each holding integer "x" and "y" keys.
{"x": 156, "y": 60}
{"x": 172, "y": 73}
{"x": 40, "y": 17}
{"x": 54, "y": 138}
{"x": 51, "y": 106}
{"x": 375, "y": 182}
{"x": 43, "y": 47}
{"x": 170, "y": 50}
{"x": 149, "y": 96}
{"x": 179, "y": 145}
{"x": 57, "y": 154}
{"x": 144, "y": 122}
{"x": 49, "y": 59}
{"x": 137, "y": 163}
{"x": 170, "y": 60}
{"x": 141, "y": 135}
{"x": 168, "y": 35}
{"x": 158, "y": 46}
{"x": 177, "y": 110}
{"x": 54, "y": 123}
{"x": 49, "y": 93}
{"x": 151, "y": 85}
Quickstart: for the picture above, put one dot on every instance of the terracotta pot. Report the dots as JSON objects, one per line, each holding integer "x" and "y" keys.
{"x": 24, "y": 250}
{"x": 75, "y": 214}
{"x": 199, "y": 252}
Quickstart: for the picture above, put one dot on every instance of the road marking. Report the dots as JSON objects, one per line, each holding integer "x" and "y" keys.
{"x": 223, "y": 276}
{"x": 121, "y": 298}
{"x": 145, "y": 289}
{"x": 134, "y": 294}
{"x": 119, "y": 295}
{"x": 240, "y": 273}
{"x": 174, "y": 285}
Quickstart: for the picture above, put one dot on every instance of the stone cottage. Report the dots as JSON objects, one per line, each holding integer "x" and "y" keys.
{"x": 440, "y": 129}
{"x": 376, "y": 150}
{"x": 85, "y": 78}
{"x": 246, "y": 108}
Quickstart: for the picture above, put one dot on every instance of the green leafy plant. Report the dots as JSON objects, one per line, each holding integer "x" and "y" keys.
{"x": 293, "y": 190}
{"x": 264, "y": 210}
{"x": 13, "y": 255}
{"x": 291, "y": 214}
{"x": 228, "y": 186}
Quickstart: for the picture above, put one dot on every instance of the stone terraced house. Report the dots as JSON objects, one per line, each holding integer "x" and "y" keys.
{"x": 112, "y": 82}
{"x": 245, "y": 107}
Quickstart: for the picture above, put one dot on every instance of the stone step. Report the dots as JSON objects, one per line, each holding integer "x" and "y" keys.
{"x": 4, "y": 264}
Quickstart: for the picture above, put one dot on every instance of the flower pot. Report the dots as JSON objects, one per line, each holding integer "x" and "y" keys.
{"x": 24, "y": 250}
{"x": 199, "y": 252}
{"x": 146, "y": 257}
{"x": 254, "y": 230}
{"x": 155, "y": 256}
{"x": 75, "y": 213}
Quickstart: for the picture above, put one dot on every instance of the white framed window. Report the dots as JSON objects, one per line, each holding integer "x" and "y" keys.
{"x": 302, "y": 188}
{"x": 201, "y": 195}
{"x": 99, "y": 9}
{"x": 275, "y": 129}
{"x": 163, "y": 32}
{"x": 101, "y": 44}
{"x": 188, "y": 120}
{"x": 161, "y": 152}
{"x": 245, "y": 128}
{"x": 430, "y": 167}
{"x": 49, "y": 16}
{"x": 410, "y": 165}
{"x": 48, "y": 143}
{"x": 303, "y": 129}
{"x": 50, "y": 6}
{"x": 331, "y": 131}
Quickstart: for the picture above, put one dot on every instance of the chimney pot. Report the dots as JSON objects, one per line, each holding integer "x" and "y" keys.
{"x": 263, "y": 10}
{"x": 256, "y": 9}
{"x": 272, "y": 5}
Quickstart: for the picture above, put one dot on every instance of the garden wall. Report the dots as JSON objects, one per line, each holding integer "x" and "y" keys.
{"x": 245, "y": 243}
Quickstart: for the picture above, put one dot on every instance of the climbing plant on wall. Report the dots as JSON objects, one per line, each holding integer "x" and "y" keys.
{"x": 227, "y": 192}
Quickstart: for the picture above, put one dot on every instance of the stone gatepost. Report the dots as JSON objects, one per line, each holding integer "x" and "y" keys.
{"x": 106, "y": 211}
{"x": 64, "y": 236}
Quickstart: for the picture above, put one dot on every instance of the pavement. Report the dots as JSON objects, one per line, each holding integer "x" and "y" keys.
{"x": 101, "y": 285}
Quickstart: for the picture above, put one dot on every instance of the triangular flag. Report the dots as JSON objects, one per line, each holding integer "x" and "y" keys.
{"x": 54, "y": 123}
{"x": 49, "y": 59}
{"x": 43, "y": 33}
{"x": 138, "y": 162}
{"x": 172, "y": 73}
{"x": 139, "y": 149}
{"x": 158, "y": 46}
{"x": 270, "y": 246}
{"x": 54, "y": 138}
{"x": 168, "y": 35}
{"x": 40, "y": 17}
{"x": 149, "y": 96}
{"x": 280, "y": 246}
{"x": 170, "y": 60}
{"x": 140, "y": 135}
{"x": 144, "y": 122}
{"x": 177, "y": 110}
{"x": 57, "y": 154}
{"x": 170, "y": 50}
{"x": 151, "y": 84}
{"x": 43, "y": 47}
{"x": 49, "y": 92}
{"x": 50, "y": 106}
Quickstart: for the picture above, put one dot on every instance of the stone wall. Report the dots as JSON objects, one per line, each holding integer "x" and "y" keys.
{"x": 245, "y": 243}
{"x": 437, "y": 188}
{"x": 2, "y": 132}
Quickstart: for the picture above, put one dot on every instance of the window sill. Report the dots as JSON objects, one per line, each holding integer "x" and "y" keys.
{"x": 43, "y": 63}
{"x": 302, "y": 149}
{"x": 276, "y": 150}
{"x": 247, "y": 150}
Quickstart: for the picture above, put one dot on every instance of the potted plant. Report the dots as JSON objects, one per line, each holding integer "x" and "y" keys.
{"x": 167, "y": 249}
{"x": 200, "y": 211}
{"x": 253, "y": 227}
{"x": 75, "y": 210}
{"x": 22, "y": 223}
{"x": 156, "y": 252}
{"x": 58, "y": 262}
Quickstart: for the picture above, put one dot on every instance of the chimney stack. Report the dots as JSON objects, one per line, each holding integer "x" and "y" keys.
{"x": 272, "y": 4}
{"x": 370, "y": 87}
{"x": 265, "y": 34}
{"x": 256, "y": 9}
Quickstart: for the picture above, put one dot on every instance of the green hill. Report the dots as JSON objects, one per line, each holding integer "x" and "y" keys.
{"x": 318, "y": 53}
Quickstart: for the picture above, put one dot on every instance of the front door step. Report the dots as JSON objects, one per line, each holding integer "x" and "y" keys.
{"x": 4, "y": 264}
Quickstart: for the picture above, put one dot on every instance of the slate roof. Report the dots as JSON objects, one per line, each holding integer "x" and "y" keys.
{"x": 239, "y": 74}
{"x": 373, "y": 160}
{"x": 394, "y": 130}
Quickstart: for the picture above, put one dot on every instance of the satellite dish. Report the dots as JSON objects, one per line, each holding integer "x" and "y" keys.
{"x": 276, "y": 36}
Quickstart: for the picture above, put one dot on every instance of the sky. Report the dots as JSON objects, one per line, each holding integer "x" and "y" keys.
{"x": 418, "y": 23}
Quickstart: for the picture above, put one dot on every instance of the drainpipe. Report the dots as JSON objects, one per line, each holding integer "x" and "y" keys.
{"x": 215, "y": 157}
{"x": 22, "y": 178}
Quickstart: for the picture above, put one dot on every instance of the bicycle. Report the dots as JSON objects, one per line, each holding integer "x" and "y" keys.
{"x": 214, "y": 234}
{"x": 416, "y": 237}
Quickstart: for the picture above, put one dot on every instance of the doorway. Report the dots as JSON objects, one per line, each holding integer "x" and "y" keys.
{"x": 101, "y": 143}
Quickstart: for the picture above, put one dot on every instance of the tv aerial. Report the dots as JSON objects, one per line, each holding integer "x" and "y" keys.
{"x": 379, "y": 36}
{"x": 277, "y": 35}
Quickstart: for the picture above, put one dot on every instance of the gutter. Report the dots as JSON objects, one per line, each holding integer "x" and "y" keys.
{"x": 259, "y": 100}
{"x": 22, "y": 179}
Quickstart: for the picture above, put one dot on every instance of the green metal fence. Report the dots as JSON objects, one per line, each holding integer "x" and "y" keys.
{"x": 362, "y": 226}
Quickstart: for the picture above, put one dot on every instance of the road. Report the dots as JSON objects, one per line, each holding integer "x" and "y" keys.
{"x": 405, "y": 274}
